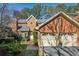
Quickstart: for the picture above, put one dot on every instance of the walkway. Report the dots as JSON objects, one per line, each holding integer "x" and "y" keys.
{"x": 31, "y": 46}
{"x": 31, "y": 49}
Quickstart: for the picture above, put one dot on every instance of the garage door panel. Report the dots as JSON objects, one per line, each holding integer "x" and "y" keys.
{"x": 66, "y": 39}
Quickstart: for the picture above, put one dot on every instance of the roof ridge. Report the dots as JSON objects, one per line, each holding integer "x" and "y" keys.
{"x": 56, "y": 16}
{"x": 30, "y": 17}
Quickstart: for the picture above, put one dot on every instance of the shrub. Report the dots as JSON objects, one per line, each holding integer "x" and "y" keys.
{"x": 7, "y": 35}
{"x": 9, "y": 41}
{"x": 12, "y": 48}
{"x": 35, "y": 37}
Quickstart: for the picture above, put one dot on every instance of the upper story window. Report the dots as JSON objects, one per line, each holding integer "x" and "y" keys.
{"x": 31, "y": 23}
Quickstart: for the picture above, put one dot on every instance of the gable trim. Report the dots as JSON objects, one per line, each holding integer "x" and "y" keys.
{"x": 30, "y": 17}
{"x": 74, "y": 22}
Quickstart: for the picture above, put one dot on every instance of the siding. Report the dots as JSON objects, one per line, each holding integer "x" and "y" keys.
{"x": 31, "y": 23}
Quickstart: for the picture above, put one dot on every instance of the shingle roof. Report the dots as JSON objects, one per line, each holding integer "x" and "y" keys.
{"x": 31, "y": 16}
{"x": 25, "y": 20}
{"x": 21, "y": 21}
{"x": 23, "y": 28}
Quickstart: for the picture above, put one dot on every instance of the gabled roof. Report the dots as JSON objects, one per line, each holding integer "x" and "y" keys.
{"x": 24, "y": 28}
{"x": 58, "y": 14}
{"x": 30, "y": 17}
{"x": 25, "y": 20}
{"x": 21, "y": 21}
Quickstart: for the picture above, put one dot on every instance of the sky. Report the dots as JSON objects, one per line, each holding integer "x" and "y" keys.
{"x": 19, "y": 6}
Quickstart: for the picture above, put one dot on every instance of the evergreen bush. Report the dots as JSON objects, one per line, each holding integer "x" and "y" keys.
{"x": 35, "y": 37}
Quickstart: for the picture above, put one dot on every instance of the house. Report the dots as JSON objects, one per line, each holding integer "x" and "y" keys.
{"x": 59, "y": 30}
{"x": 31, "y": 22}
{"x": 22, "y": 28}
{"x": 27, "y": 26}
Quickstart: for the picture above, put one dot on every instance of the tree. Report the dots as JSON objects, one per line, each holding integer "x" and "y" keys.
{"x": 26, "y": 12}
{"x": 23, "y": 14}
{"x": 70, "y": 9}
{"x": 61, "y": 6}
{"x": 49, "y": 10}
{"x": 76, "y": 8}
{"x": 4, "y": 16}
{"x": 55, "y": 9}
{"x": 36, "y": 10}
{"x": 17, "y": 14}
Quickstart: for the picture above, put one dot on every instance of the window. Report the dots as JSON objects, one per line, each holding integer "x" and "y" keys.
{"x": 31, "y": 23}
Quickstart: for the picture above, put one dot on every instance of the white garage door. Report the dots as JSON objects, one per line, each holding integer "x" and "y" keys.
{"x": 67, "y": 39}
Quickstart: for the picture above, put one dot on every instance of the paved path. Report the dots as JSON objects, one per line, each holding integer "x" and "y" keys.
{"x": 31, "y": 49}
{"x": 31, "y": 46}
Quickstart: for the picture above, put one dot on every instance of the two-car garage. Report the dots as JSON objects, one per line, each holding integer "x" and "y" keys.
{"x": 67, "y": 39}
